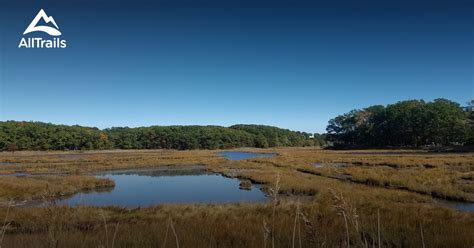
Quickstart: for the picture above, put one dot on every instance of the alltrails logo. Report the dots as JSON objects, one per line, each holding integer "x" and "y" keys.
{"x": 38, "y": 42}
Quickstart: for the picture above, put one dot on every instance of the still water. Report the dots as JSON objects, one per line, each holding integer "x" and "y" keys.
{"x": 245, "y": 155}
{"x": 461, "y": 206}
{"x": 148, "y": 187}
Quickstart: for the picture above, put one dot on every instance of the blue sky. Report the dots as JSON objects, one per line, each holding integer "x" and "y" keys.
{"x": 292, "y": 64}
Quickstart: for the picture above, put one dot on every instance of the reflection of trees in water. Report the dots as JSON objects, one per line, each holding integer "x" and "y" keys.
{"x": 96, "y": 190}
{"x": 63, "y": 200}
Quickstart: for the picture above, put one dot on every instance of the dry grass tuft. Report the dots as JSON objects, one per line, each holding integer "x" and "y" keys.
{"x": 357, "y": 198}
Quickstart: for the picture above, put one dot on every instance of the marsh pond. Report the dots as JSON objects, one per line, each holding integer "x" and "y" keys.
{"x": 141, "y": 188}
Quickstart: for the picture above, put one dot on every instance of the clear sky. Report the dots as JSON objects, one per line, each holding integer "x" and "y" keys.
{"x": 292, "y": 64}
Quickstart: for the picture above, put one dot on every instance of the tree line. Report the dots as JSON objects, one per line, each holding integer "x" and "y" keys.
{"x": 411, "y": 123}
{"x": 16, "y": 135}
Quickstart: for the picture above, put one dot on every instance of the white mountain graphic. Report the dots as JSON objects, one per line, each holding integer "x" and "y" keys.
{"x": 49, "y": 30}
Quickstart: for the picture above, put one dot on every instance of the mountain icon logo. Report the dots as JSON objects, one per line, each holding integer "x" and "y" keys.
{"x": 47, "y": 29}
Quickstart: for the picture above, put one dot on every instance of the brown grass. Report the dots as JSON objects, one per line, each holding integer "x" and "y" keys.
{"x": 358, "y": 205}
{"x": 323, "y": 224}
{"x": 30, "y": 188}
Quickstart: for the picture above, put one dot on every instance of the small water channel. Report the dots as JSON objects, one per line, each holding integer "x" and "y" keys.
{"x": 141, "y": 188}
{"x": 245, "y": 155}
{"x": 16, "y": 174}
{"x": 461, "y": 206}
{"x": 332, "y": 164}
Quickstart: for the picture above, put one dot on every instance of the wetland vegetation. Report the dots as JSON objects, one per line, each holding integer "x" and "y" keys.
{"x": 171, "y": 187}
{"x": 328, "y": 205}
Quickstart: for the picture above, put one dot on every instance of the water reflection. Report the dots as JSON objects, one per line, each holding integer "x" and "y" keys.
{"x": 149, "y": 187}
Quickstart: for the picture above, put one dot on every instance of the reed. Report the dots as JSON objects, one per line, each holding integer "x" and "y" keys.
{"x": 5, "y": 225}
{"x": 379, "y": 199}
{"x": 240, "y": 225}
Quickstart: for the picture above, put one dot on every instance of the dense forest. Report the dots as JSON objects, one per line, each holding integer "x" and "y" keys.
{"x": 411, "y": 123}
{"x": 45, "y": 136}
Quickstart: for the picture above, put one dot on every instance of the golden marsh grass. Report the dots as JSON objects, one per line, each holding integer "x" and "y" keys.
{"x": 370, "y": 201}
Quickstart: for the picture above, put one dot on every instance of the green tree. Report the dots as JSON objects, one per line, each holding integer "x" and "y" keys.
{"x": 406, "y": 123}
